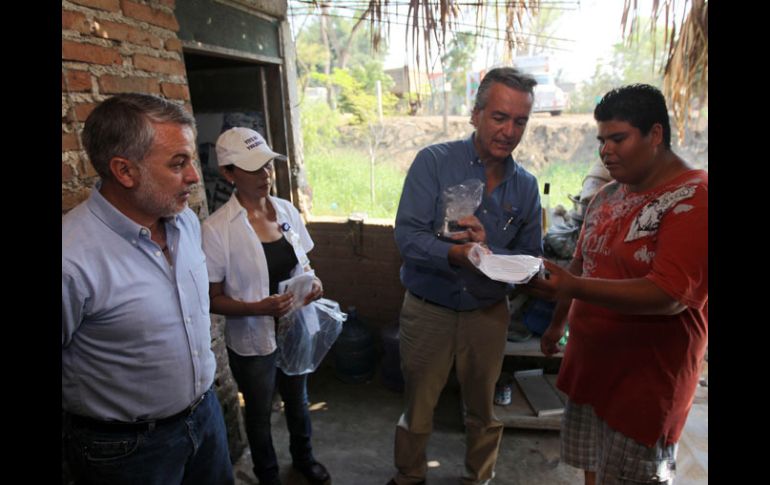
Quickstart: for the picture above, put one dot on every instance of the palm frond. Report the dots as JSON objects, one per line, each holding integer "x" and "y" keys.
{"x": 685, "y": 73}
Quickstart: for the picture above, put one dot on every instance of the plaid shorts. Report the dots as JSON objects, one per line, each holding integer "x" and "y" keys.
{"x": 587, "y": 442}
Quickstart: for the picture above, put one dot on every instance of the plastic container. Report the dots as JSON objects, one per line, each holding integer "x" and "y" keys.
{"x": 355, "y": 354}
{"x": 392, "y": 378}
{"x": 538, "y": 316}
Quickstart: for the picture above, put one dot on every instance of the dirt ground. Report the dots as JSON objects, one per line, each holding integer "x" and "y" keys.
{"x": 354, "y": 426}
{"x": 567, "y": 138}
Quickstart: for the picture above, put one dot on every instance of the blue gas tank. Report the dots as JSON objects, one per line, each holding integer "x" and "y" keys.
{"x": 392, "y": 378}
{"x": 355, "y": 353}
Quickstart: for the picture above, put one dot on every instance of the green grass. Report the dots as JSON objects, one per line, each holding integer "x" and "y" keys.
{"x": 565, "y": 178}
{"x": 340, "y": 182}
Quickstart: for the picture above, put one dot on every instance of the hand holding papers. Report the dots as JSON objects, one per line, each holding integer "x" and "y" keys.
{"x": 300, "y": 286}
{"x": 514, "y": 269}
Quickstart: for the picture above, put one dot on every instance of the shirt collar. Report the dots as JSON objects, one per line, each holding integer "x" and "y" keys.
{"x": 235, "y": 209}
{"x": 510, "y": 164}
{"x": 116, "y": 220}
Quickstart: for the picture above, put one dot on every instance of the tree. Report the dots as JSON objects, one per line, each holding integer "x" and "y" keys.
{"x": 357, "y": 96}
{"x": 686, "y": 67}
{"x": 319, "y": 126}
{"x": 332, "y": 41}
{"x": 537, "y": 35}
{"x": 639, "y": 62}
{"x": 685, "y": 74}
{"x": 458, "y": 60}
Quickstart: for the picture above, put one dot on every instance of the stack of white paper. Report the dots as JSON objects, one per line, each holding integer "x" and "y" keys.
{"x": 514, "y": 269}
{"x": 300, "y": 286}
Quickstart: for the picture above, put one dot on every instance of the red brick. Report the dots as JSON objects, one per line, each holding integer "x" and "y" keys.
{"x": 123, "y": 32}
{"x": 150, "y": 15}
{"x": 175, "y": 91}
{"x": 109, "y": 84}
{"x": 82, "y": 110}
{"x": 75, "y": 21}
{"x": 110, "y": 5}
{"x": 70, "y": 199}
{"x": 67, "y": 173}
{"x": 94, "y": 54}
{"x": 78, "y": 81}
{"x": 174, "y": 44}
{"x": 153, "y": 64}
{"x": 69, "y": 141}
{"x": 87, "y": 168}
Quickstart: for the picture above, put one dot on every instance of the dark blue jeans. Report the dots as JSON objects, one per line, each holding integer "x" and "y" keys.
{"x": 257, "y": 377}
{"x": 189, "y": 451}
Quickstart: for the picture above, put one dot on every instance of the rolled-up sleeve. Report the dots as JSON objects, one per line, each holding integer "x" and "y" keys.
{"x": 415, "y": 219}
{"x": 215, "y": 253}
{"x": 72, "y": 302}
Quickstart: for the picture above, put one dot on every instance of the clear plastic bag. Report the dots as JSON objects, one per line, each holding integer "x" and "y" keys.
{"x": 306, "y": 335}
{"x": 459, "y": 201}
{"x": 561, "y": 240}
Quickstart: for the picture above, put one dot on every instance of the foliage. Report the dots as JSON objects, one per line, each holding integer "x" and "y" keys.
{"x": 685, "y": 78}
{"x": 332, "y": 52}
{"x": 319, "y": 126}
{"x": 369, "y": 72}
{"x": 538, "y": 35}
{"x": 565, "y": 179}
{"x": 311, "y": 57}
{"x": 340, "y": 182}
{"x": 639, "y": 62}
{"x": 312, "y": 54}
{"x": 458, "y": 60}
{"x": 357, "y": 91}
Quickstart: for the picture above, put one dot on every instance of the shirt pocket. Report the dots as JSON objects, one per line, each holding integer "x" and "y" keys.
{"x": 106, "y": 450}
{"x": 509, "y": 225}
{"x": 200, "y": 279}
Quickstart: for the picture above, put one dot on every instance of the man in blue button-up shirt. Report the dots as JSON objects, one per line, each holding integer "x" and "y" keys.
{"x": 452, "y": 314}
{"x": 137, "y": 364}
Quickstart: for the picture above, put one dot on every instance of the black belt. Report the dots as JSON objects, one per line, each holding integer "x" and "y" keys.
{"x": 425, "y": 300}
{"x": 122, "y": 426}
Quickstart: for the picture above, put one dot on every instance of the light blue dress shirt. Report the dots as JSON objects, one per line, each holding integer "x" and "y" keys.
{"x": 511, "y": 216}
{"x": 136, "y": 339}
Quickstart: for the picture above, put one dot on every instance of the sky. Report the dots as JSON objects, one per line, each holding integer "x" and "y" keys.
{"x": 594, "y": 27}
{"x": 591, "y": 26}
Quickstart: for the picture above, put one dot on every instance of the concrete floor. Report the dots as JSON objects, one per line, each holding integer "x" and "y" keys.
{"x": 353, "y": 428}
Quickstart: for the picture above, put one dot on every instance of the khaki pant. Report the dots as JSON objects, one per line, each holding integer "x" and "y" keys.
{"x": 432, "y": 339}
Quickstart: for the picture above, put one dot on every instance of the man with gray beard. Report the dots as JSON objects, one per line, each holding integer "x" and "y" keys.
{"x": 137, "y": 364}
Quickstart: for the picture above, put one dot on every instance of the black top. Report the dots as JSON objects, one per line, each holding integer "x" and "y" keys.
{"x": 281, "y": 260}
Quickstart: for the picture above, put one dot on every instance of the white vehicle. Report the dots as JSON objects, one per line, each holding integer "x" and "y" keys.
{"x": 548, "y": 96}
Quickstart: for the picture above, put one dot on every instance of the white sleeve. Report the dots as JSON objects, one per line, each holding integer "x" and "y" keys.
{"x": 304, "y": 236}
{"x": 216, "y": 257}
{"x": 299, "y": 226}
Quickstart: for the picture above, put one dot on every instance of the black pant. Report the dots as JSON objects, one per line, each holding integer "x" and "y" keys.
{"x": 257, "y": 377}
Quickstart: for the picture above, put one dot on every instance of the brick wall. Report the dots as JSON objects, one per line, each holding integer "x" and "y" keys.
{"x": 359, "y": 266}
{"x": 116, "y": 46}
{"x": 109, "y": 47}
{"x": 113, "y": 46}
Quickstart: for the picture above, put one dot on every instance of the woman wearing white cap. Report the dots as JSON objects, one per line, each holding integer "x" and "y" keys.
{"x": 252, "y": 243}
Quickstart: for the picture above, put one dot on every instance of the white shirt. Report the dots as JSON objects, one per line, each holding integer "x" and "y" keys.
{"x": 235, "y": 255}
